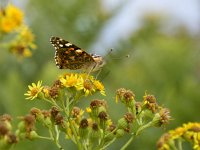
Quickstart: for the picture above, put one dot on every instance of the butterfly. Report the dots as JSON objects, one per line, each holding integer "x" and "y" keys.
{"x": 70, "y": 56}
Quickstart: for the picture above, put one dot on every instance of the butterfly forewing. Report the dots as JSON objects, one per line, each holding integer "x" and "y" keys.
{"x": 69, "y": 56}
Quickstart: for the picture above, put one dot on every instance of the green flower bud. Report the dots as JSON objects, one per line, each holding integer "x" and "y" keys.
{"x": 95, "y": 107}
{"x": 22, "y": 135}
{"x": 33, "y": 135}
{"x": 95, "y": 131}
{"x": 37, "y": 113}
{"x": 120, "y": 133}
{"x": 161, "y": 118}
{"x": 109, "y": 137}
{"x": 3, "y": 129}
{"x": 103, "y": 117}
{"x": 47, "y": 122}
{"x": 122, "y": 123}
{"x": 3, "y": 144}
{"x": 83, "y": 128}
{"x": 22, "y": 126}
{"x": 102, "y": 108}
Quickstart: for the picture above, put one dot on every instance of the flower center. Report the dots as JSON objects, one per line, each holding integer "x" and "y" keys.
{"x": 34, "y": 91}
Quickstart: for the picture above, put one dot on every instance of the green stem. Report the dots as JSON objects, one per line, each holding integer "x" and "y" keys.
{"x": 108, "y": 144}
{"x": 134, "y": 135}
{"x": 67, "y": 112}
{"x": 143, "y": 127}
{"x": 54, "y": 137}
{"x": 128, "y": 143}
{"x": 75, "y": 135}
{"x": 111, "y": 132}
{"x": 46, "y": 138}
{"x": 53, "y": 103}
{"x": 180, "y": 144}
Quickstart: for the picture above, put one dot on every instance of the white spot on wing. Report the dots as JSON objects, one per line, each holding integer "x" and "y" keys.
{"x": 68, "y": 44}
{"x": 79, "y": 51}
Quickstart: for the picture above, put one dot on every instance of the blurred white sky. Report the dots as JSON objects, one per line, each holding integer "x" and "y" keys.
{"x": 130, "y": 13}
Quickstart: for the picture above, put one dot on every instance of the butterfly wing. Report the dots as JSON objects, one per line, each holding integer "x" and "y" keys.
{"x": 69, "y": 56}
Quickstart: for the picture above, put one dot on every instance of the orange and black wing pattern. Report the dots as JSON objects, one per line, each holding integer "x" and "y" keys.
{"x": 69, "y": 56}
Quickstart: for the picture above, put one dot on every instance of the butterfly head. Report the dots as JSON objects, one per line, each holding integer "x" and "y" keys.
{"x": 99, "y": 62}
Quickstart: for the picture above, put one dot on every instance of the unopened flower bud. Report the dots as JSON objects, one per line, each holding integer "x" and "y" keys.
{"x": 95, "y": 132}
{"x": 37, "y": 113}
{"x": 120, "y": 133}
{"x": 161, "y": 118}
{"x": 54, "y": 111}
{"x": 7, "y": 120}
{"x": 122, "y": 123}
{"x": 129, "y": 117}
{"x": 3, "y": 129}
{"x": 12, "y": 139}
{"x": 83, "y": 128}
{"x": 33, "y": 135}
{"x": 103, "y": 117}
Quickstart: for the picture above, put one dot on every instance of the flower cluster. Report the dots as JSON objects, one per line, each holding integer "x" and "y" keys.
{"x": 7, "y": 137}
{"x": 89, "y": 127}
{"x": 82, "y": 82}
{"x": 189, "y": 132}
{"x": 11, "y": 23}
{"x": 141, "y": 114}
{"x": 77, "y": 85}
{"x": 11, "y": 18}
{"x": 23, "y": 43}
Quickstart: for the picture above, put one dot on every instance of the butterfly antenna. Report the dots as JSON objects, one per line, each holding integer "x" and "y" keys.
{"x": 110, "y": 52}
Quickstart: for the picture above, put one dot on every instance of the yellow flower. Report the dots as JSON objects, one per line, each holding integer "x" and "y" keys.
{"x": 99, "y": 86}
{"x": 82, "y": 82}
{"x": 178, "y": 132}
{"x": 23, "y": 44}
{"x": 190, "y": 132}
{"x": 109, "y": 122}
{"x": 27, "y": 36}
{"x": 11, "y": 18}
{"x": 72, "y": 80}
{"x": 34, "y": 90}
{"x": 88, "y": 87}
{"x": 193, "y": 134}
{"x": 45, "y": 90}
{"x": 88, "y": 110}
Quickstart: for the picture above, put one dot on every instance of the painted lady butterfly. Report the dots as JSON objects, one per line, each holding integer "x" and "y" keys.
{"x": 69, "y": 56}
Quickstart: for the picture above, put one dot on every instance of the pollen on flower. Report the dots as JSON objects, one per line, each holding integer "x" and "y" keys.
{"x": 88, "y": 87}
{"x": 34, "y": 90}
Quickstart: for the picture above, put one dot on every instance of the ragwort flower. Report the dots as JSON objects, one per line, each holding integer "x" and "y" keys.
{"x": 99, "y": 86}
{"x": 82, "y": 82}
{"x": 24, "y": 43}
{"x": 72, "y": 80}
{"x": 34, "y": 90}
{"x": 11, "y": 18}
{"x": 190, "y": 132}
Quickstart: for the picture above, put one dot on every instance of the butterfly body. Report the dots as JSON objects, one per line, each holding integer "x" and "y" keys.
{"x": 69, "y": 56}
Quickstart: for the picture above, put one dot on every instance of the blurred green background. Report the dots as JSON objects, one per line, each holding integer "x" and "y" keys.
{"x": 162, "y": 63}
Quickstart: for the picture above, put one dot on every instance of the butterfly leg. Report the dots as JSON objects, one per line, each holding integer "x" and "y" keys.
{"x": 90, "y": 70}
{"x": 98, "y": 73}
